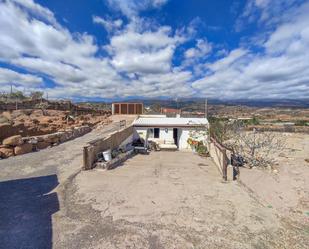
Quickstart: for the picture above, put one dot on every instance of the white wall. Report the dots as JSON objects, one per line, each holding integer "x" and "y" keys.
{"x": 163, "y": 135}
{"x": 140, "y": 132}
{"x": 166, "y": 135}
{"x": 183, "y": 135}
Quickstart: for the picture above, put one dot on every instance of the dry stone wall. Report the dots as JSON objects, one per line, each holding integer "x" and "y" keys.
{"x": 18, "y": 145}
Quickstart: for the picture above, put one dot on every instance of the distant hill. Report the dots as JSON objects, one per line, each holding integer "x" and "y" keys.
{"x": 184, "y": 102}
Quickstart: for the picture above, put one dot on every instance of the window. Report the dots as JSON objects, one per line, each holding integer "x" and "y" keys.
{"x": 156, "y": 132}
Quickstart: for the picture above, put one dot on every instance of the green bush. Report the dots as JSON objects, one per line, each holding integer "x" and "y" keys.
{"x": 201, "y": 149}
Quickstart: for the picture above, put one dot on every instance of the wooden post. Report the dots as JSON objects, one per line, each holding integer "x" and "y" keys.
{"x": 224, "y": 166}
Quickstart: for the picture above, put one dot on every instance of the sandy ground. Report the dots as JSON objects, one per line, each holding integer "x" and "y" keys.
{"x": 286, "y": 189}
{"x": 170, "y": 200}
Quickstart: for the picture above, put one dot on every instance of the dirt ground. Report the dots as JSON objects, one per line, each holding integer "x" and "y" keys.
{"x": 287, "y": 187}
{"x": 169, "y": 200}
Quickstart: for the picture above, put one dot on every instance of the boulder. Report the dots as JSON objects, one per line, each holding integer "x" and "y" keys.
{"x": 13, "y": 140}
{"x": 64, "y": 137}
{"x": 30, "y": 140}
{"x": 4, "y": 120}
{"x": 40, "y": 138}
{"x": 42, "y": 145}
{"x": 51, "y": 138}
{"x": 23, "y": 149}
{"x": 6, "y": 152}
{"x": 7, "y": 115}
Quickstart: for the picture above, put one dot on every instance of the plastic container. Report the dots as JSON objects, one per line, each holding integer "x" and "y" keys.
{"x": 107, "y": 155}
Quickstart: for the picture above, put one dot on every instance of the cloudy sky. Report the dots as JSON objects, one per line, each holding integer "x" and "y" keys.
{"x": 109, "y": 49}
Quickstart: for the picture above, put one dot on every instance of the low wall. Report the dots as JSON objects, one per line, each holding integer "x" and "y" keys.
{"x": 219, "y": 155}
{"x": 18, "y": 145}
{"x": 101, "y": 144}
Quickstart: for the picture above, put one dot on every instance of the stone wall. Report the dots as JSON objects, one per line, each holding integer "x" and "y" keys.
{"x": 18, "y": 145}
{"x": 101, "y": 144}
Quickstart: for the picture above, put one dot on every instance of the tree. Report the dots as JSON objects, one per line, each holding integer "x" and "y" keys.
{"x": 17, "y": 95}
{"x": 36, "y": 95}
{"x": 256, "y": 147}
{"x": 221, "y": 129}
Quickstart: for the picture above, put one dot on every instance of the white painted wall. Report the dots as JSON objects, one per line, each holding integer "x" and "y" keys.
{"x": 163, "y": 135}
{"x": 140, "y": 132}
{"x": 166, "y": 134}
{"x": 183, "y": 135}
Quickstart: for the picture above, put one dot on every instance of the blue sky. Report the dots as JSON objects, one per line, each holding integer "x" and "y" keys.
{"x": 110, "y": 49}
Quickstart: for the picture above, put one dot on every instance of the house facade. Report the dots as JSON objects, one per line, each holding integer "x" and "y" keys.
{"x": 171, "y": 132}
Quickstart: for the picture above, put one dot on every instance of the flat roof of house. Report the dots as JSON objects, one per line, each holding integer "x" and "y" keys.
{"x": 166, "y": 121}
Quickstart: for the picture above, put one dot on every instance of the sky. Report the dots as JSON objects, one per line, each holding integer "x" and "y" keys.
{"x": 117, "y": 49}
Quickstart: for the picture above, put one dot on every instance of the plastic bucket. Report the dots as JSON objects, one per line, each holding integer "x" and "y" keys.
{"x": 107, "y": 155}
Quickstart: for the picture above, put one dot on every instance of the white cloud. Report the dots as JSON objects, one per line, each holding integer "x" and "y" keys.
{"x": 53, "y": 51}
{"x": 225, "y": 62}
{"x": 140, "y": 57}
{"x": 170, "y": 84}
{"x": 202, "y": 49}
{"x": 265, "y": 12}
{"x": 37, "y": 10}
{"x": 143, "y": 52}
{"x": 109, "y": 25}
{"x": 133, "y": 7}
{"x": 50, "y": 50}
{"x": 281, "y": 72}
{"x": 8, "y": 77}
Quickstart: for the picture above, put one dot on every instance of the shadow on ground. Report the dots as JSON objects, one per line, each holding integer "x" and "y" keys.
{"x": 26, "y": 207}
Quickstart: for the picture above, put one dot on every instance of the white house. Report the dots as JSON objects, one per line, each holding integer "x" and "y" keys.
{"x": 170, "y": 132}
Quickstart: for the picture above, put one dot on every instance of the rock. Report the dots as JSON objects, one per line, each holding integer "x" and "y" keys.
{"x": 45, "y": 120}
{"x": 64, "y": 137}
{"x": 7, "y": 115}
{"x": 6, "y": 152}
{"x": 51, "y": 138}
{"x": 4, "y": 120}
{"x": 42, "y": 145}
{"x": 40, "y": 138}
{"x": 35, "y": 121}
{"x": 13, "y": 140}
{"x": 4, "y": 146}
{"x": 30, "y": 140}
{"x": 23, "y": 149}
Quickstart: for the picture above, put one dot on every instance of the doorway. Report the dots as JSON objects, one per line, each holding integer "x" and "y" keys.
{"x": 175, "y": 136}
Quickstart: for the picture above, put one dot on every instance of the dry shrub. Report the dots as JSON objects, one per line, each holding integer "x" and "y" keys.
{"x": 256, "y": 147}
